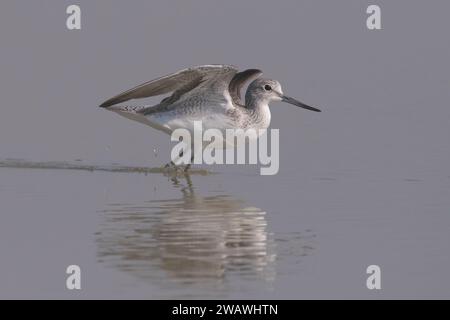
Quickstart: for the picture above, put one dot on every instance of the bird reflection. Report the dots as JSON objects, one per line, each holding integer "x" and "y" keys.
{"x": 187, "y": 239}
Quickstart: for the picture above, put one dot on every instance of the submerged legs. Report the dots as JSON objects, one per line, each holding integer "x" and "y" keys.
{"x": 172, "y": 165}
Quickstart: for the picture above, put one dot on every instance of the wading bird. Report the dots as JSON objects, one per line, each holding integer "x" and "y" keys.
{"x": 209, "y": 93}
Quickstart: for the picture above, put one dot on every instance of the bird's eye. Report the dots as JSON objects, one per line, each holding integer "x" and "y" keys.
{"x": 267, "y": 87}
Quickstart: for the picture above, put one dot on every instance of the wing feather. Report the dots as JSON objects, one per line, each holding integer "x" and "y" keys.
{"x": 179, "y": 83}
{"x": 239, "y": 81}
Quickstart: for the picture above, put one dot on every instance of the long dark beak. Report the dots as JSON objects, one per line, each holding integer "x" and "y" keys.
{"x": 297, "y": 103}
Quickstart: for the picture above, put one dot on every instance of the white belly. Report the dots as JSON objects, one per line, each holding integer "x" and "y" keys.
{"x": 225, "y": 125}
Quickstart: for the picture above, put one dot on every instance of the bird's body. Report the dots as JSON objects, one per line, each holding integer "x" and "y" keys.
{"x": 210, "y": 94}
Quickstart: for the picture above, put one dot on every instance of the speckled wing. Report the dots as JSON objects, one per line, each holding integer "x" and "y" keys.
{"x": 183, "y": 83}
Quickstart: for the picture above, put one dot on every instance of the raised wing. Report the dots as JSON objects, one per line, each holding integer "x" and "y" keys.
{"x": 179, "y": 83}
{"x": 239, "y": 81}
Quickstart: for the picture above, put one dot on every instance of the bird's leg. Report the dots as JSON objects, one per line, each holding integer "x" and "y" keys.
{"x": 172, "y": 165}
{"x": 169, "y": 165}
{"x": 188, "y": 166}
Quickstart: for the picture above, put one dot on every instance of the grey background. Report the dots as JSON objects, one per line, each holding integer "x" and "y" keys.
{"x": 369, "y": 176}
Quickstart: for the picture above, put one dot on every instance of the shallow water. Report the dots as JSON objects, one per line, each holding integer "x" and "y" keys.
{"x": 167, "y": 236}
{"x": 156, "y": 236}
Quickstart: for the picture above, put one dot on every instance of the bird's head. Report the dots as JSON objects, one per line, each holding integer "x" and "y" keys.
{"x": 267, "y": 90}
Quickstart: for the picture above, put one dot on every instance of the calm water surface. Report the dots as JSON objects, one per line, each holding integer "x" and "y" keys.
{"x": 218, "y": 235}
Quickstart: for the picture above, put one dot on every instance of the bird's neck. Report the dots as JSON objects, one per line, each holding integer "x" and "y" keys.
{"x": 255, "y": 102}
{"x": 259, "y": 111}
